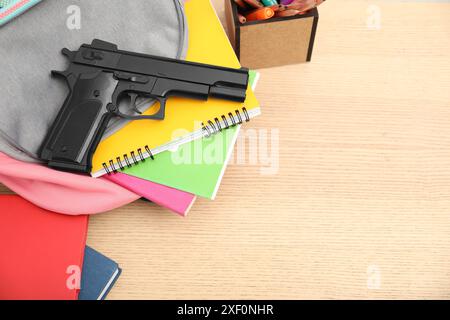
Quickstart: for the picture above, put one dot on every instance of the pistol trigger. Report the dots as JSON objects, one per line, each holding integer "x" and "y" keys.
{"x": 133, "y": 97}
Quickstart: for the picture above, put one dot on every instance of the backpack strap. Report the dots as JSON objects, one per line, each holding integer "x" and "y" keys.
{"x": 9, "y": 9}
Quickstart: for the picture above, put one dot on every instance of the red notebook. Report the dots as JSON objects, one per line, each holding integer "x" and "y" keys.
{"x": 41, "y": 253}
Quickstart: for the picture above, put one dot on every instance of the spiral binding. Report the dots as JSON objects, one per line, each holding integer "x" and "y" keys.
{"x": 231, "y": 120}
{"x": 212, "y": 127}
{"x": 134, "y": 157}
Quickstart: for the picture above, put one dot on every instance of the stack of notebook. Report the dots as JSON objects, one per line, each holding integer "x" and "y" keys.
{"x": 182, "y": 167}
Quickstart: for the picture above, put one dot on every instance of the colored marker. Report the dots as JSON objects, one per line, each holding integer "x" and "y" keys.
{"x": 305, "y": 5}
{"x": 298, "y": 6}
{"x": 286, "y": 2}
{"x": 241, "y": 4}
{"x": 242, "y": 19}
{"x": 254, "y": 3}
{"x": 287, "y": 13}
{"x": 268, "y": 3}
{"x": 260, "y": 14}
{"x": 278, "y": 7}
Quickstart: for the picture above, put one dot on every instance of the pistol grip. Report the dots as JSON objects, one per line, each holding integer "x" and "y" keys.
{"x": 80, "y": 124}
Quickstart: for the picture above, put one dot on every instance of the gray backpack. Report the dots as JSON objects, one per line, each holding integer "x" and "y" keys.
{"x": 30, "y": 47}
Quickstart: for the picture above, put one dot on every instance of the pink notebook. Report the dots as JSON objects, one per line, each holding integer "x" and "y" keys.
{"x": 172, "y": 199}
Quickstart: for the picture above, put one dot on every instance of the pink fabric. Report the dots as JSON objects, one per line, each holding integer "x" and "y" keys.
{"x": 62, "y": 192}
{"x": 176, "y": 200}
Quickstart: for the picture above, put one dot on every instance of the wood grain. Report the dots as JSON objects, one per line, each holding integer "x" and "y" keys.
{"x": 360, "y": 205}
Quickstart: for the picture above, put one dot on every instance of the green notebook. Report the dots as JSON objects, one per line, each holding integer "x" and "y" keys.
{"x": 196, "y": 167}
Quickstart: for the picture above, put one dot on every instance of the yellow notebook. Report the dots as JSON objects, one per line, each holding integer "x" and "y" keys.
{"x": 186, "y": 119}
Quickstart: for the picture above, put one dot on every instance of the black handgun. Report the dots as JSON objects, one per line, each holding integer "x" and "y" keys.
{"x": 99, "y": 76}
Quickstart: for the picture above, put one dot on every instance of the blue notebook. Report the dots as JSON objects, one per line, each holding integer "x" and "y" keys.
{"x": 98, "y": 277}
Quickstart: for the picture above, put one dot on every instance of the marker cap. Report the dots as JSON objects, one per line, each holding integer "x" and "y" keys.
{"x": 260, "y": 14}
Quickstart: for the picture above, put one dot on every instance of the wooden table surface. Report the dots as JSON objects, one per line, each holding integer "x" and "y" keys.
{"x": 360, "y": 205}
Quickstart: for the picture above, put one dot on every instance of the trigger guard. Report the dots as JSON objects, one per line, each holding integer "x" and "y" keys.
{"x": 160, "y": 115}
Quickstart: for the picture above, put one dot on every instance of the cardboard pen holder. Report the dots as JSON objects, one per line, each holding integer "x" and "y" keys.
{"x": 272, "y": 42}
